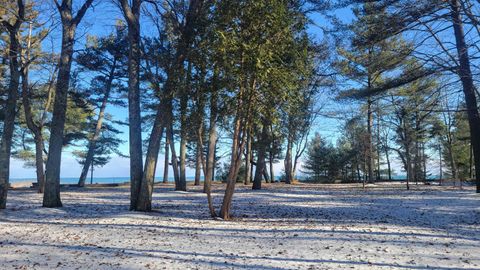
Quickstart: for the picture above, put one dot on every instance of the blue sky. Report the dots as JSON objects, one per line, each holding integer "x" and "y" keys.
{"x": 100, "y": 21}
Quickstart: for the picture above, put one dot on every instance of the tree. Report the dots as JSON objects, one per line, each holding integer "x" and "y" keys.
{"x": 422, "y": 17}
{"x": 70, "y": 22}
{"x": 105, "y": 145}
{"x": 105, "y": 57}
{"x": 11, "y": 23}
{"x": 32, "y": 54}
{"x": 453, "y": 132}
{"x": 132, "y": 17}
{"x": 164, "y": 114}
{"x": 414, "y": 106}
{"x": 367, "y": 61}
{"x": 322, "y": 160}
{"x": 264, "y": 49}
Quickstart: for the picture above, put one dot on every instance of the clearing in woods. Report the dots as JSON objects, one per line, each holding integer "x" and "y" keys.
{"x": 303, "y": 226}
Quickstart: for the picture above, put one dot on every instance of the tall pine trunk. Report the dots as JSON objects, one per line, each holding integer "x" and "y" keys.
{"x": 260, "y": 168}
{"x": 183, "y": 141}
{"x": 132, "y": 16}
{"x": 370, "y": 158}
{"x": 212, "y": 141}
{"x": 212, "y": 144}
{"x": 248, "y": 172}
{"x": 176, "y": 173}
{"x": 166, "y": 161}
{"x": 389, "y": 166}
{"x": 98, "y": 127}
{"x": 144, "y": 202}
{"x": 51, "y": 196}
{"x": 29, "y": 118}
{"x": 11, "y": 105}
{"x": 272, "y": 176}
{"x": 36, "y": 130}
{"x": 288, "y": 161}
{"x": 465, "y": 73}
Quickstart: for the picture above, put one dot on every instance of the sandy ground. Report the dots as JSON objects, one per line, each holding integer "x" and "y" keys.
{"x": 297, "y": 227}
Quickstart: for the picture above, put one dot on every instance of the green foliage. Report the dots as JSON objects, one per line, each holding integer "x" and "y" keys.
{"x": 323, "y": 161}
{"x": 366, "y": 60}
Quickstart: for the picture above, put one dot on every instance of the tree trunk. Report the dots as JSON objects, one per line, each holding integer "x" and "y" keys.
{"x": 29, "y": 119}
{"x": 260, "y": 168}
{"x": 10, "y": 109}
{"x": 409, "y": 167}
{"x": 265, "y": 173}
{"x": 51, "y": 196}
{"x": 98, "y": 127}
{"x": 248, "y": 151}
{"x": 470, "y": 167}
{"x": 441, "y": 164}
{"x": 198, "y": 165}
{"x": 288, "y": 162}
{"x": 176, "y": 174}
{"x": 389, "y": 167}
{"x": 166, "y": 162}
{"x": 37, "y": 133}
{"x": 183, "y": 141}
{"x": 465, "y": 73}
{"x": 377, "y": 146}
{"x": 370, "y": 158}
{"x": 239, "y": 138}
{"x": 212, "y": 138}
{"x": 144, "y": 202}
{"x": 424, "y": 162}
{"x": 272, "y": 174}
{"x": 416, "y": 162}
{"x": 212, "y": 141}
{"x": 132, "y": 16}
{"x": 453, "y": 164}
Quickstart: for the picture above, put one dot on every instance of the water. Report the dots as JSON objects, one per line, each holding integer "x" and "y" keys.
{"x": 96, "y": 180}
{"x": 110, "y": 180}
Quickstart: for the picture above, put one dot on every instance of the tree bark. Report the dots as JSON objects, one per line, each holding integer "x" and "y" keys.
{"x": 166, "y": 162}
{"x": 132, "y": 16}
{"x": 288, "y": 161}
{"x": 370, "y": 158}
{"x": 51, "y": 196}
{"x": 272, "y": 175}
{"x": 453, "y": 164}
{"x": 198, "y": 164}
{"x": 29, "y": 119}
{"x": 183, "y": 140}
{"x": 212, "y": 141}
{"x": 11, "y": 104}
{"x": 144, "y": 202}
{"x": 248, "y": 151}
{"x": 389, "y": 167}
{"x": 98, "y": 127}
{"x": 176, "y": 173}
{"x": 440, "y": 164}
{"x": 465, "y": 73}
{"x": 260, "y": 168}
{"x": 238, "y": 143}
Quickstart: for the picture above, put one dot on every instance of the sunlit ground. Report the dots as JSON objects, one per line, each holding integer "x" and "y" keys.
{"x": 280, "y": 227}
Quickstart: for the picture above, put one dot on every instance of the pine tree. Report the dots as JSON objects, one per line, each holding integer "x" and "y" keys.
{"x": 105, "y": 58}
{"x": 366, "y": 62}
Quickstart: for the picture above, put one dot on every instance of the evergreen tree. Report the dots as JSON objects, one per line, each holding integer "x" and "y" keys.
{"x": 105, "y": 58}
{"x": 366, "y": 62}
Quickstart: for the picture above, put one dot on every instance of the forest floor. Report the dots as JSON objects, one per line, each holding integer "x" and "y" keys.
{"x": 303, "y": 226}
